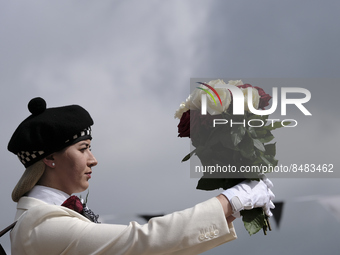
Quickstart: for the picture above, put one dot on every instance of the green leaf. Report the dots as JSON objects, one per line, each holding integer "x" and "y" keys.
{"x": 266, "y": 160}
{"x": 187, "y": 157}
{"x": 272, "y": 160}
{"x": 252, "y": 132}
{"x": 261, "y": 132}
{"x": 237, "y": 134}
{"x": 286, "y": 123}
{"x": 267, "y": 137}
{"x": 262, "y": 117}
{"x": 258, "y": 145}
{"x": 276, "y": 125}
{"x": 270, "y": 149}
{"x": 214, "y": 136}
{"x": 246, "y": 147}
{"x": 227, "y": 142}
{"x": 253, "y": 220}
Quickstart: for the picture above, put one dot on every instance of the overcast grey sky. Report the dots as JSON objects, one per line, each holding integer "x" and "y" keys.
{"x": 129, "y": 63}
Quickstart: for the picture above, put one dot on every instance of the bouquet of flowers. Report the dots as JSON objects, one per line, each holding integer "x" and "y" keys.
{"x": 233, "y": 142}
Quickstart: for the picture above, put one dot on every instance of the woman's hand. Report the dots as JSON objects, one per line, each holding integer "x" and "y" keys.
{"x": 250, "y": 194}
{"x": 226, "y": 208}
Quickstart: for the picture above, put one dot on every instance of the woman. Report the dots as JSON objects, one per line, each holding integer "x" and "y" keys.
{"x": 54, "y": 146}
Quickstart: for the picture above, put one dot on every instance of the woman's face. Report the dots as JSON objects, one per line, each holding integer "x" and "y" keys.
{"x": 73, "y": 167}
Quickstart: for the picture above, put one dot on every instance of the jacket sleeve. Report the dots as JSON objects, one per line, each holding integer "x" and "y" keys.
{"x": 52, "y": 229}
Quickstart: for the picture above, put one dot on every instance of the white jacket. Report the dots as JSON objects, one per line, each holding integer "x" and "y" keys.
{"x": 52, "y": 229}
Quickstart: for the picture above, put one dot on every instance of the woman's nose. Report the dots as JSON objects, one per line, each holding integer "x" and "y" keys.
{"x": 92, "y": 160}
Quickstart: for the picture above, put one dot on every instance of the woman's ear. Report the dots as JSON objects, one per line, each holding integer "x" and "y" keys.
{"x": 49, "y": 161}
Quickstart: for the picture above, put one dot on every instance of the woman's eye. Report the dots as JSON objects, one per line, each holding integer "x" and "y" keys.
{"x": 85, "y": 148}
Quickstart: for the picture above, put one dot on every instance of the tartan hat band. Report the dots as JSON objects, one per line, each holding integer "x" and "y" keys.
{"x": 29, "y": 158}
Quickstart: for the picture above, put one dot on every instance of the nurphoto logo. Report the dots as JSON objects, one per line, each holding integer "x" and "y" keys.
{"x": 238, "y": 99}
{"x": 238, "y": 103}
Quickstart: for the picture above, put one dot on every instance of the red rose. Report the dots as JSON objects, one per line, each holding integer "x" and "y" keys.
{"x": 191, "y": 122}
{"x": 244, "y": 86}
{"x": 184, "y": 125}
{"x": 73, "y": 203}
{"x": 196, "y": 126}
{"x": 264, "y": 97}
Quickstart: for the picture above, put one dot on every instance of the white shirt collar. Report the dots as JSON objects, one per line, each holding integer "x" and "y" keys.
{"x": 48, "y": 195}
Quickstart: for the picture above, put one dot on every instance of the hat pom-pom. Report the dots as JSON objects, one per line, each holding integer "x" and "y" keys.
{"x": 37, "y": 105}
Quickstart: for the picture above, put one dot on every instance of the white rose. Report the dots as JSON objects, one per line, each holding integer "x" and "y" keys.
{"x": 255, "y": 98}
{"x": 185, "y": 106}
{"x": 182, "y": 109}
{"x": 212, "y": 108}
{"x": 235, "y": 82}
{"x": 193, "y": 102}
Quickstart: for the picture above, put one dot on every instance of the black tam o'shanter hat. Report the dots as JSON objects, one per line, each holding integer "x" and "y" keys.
{"x": 45, "y": 131}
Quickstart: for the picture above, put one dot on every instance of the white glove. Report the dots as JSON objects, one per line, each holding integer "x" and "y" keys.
{"x": 264, "y": 178}
{"x": 251, "y": 194}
